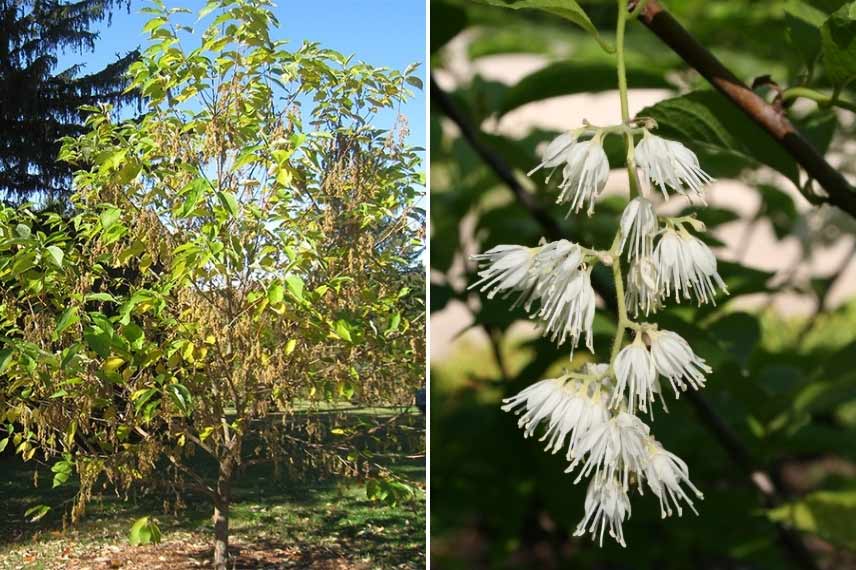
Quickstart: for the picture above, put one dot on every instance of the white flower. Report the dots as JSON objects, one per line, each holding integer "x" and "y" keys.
{"x": 568, "y": 306}
{"x": 642, "y": 291}
{"x": 686, "y": 265}
{"x": 504, "y": 268}
{"x": 639, "y": 225}
{"x": 665, "y": 473}
{"x": 635, "y": 373}
{"x": 607, "y": 505}
{"x": 584, "y": 407}
{"x": 556, "y": 153}
{"x": 614, "y": 448}
{"x": 675, "y": 360}
{"x": 669, "y": 163}
{"x": 553, "y": 266}
{"x": 537, "y": 403}
{"x": 585, "y": 175}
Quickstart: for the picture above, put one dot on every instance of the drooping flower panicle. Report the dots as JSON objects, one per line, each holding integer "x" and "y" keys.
{"x": 591, "y": 415}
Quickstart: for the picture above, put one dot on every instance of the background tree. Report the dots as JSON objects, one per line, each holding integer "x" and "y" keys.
{"x": 40, "y": 104}
{"x": 246, "y": 250}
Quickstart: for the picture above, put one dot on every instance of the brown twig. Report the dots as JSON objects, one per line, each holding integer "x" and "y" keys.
{"x": 839, "y": 192}
{"x": 737, "y": 452}
{"x": 495, "y": 162}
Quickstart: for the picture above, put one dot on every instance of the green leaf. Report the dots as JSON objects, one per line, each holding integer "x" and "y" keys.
{"x": 229, "y": 202}
{"x": 192, "y": 192}
{"x": 99, "y": 341}
{"x": 109, "y": 217}
{"x": 134, "y": 334}
{"x": 66, "y": 319}
{"x": 111, "y": 159}
{"x": 23, "y": 231}
{"x": 712, "y": 126}
{"x": 803, "y": 23}
{"x": 154, "y": 24}
{"x": 37, "y": 512}
{"x": 415, "y": 82}
{"x": 828, "y": 514}
{"x": 208, "y": 8}
{"x": 180, "y": 396}
{"x": 55, "y": 255}
{"x": 566, "y": 78}
{"x": 5, "y": 359}
{"x": 343, "y": 330}
{"x": 142, "y": 397}
{"x": 275, "y": 293}
{"x": 62, "y": 472}
{"x": 567, "y": 9}
{"x": 100, "y": 297}
{"x": 838, "y": 38}
{"x": 129, "y": 171}
{"x": 295, "y": 286}
{"x": 394, "y": 322}
{"x": 3, "y": 443}
{"x": 144, "y": 531}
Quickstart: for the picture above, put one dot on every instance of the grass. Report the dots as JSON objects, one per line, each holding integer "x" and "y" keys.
{"x": 277, "y": 523}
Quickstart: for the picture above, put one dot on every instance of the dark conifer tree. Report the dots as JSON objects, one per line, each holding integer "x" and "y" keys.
{"x": 39, "y": 103}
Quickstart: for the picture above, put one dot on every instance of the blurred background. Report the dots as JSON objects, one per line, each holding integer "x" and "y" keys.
{"x": 771, "y": 440}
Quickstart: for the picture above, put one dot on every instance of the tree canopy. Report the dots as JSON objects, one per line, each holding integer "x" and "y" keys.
{"x": 246, "y": 250}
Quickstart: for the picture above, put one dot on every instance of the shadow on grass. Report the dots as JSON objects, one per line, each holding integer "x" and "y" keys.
{"x": 277, "y": 522}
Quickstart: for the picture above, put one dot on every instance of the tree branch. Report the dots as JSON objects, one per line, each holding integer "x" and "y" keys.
{"x": 839, "y": 192}
{"x": 737, "y": 452}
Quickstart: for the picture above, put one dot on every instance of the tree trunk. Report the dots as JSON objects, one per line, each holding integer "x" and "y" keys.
{"x": 221, "y": 514}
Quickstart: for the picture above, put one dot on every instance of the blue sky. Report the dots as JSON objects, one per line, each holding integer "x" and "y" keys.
{"x": 388, "y": 33}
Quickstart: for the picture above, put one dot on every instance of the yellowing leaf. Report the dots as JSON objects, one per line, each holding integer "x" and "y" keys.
{"x": 290, "y": 346}
{"x": 112, "y": 364}
{"x": 283, "y": 177}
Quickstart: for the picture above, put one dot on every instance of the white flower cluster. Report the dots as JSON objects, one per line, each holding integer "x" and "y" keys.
{"x": 591, "y": 414}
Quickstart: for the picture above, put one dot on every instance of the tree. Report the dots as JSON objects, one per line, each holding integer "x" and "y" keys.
{"x": 760, "y": 418}
{"x": 229, "y": 261}
{"x": 40, "y": 105}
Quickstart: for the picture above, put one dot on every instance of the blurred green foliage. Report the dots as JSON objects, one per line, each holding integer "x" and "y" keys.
{"x": 786, "y": 386}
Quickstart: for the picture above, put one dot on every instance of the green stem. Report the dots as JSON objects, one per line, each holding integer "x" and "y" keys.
{"x": 821, "y": 98}
{"x": 621, "y": 307}
{"x": 623, "y": 321}
{"x": 622, "y": 93}
{"x": 619, "y": 52}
